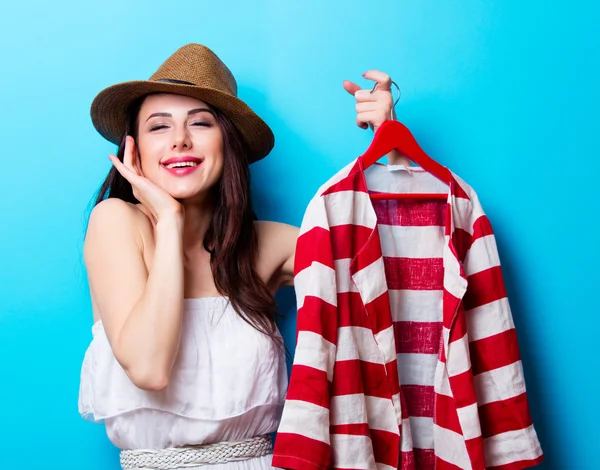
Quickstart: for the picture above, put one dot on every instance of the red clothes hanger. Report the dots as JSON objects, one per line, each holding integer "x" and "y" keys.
{"x": 393, "y": 135}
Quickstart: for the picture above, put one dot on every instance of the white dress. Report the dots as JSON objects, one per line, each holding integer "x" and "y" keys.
{"x": 228, "y": 383}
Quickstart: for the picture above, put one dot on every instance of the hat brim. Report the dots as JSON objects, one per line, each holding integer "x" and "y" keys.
{"x": 109, "y": 108}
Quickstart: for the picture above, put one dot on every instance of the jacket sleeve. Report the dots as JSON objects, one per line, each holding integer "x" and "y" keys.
{"x": 303, "y": 438}
{"x": 510, "y": 441}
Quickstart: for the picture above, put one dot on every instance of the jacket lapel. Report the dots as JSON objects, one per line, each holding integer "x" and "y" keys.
{"x": 455, "y": 281}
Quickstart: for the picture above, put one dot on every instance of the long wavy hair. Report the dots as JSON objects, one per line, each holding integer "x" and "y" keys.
{"x": 231, "y": 238}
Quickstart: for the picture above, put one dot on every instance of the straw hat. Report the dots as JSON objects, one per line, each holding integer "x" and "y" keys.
{"x": 193, "y": 70}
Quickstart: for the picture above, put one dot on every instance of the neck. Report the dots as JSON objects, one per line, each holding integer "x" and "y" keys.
{"x": 198, "y": 216}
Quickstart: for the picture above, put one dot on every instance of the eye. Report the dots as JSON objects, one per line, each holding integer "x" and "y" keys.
{"x": 158, "y": 127}
{"x": 202, "y": 124}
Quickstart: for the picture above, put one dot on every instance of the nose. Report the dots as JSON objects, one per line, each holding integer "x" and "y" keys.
{"x": 182, "y": 139}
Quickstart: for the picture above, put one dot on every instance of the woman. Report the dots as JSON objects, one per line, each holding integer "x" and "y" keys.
{"x": 186, "y": 361}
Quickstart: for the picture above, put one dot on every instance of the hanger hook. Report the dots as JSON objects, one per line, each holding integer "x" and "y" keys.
{"x": 393, "y": 110}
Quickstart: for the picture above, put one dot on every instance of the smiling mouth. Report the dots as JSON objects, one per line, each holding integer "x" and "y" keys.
{"x": 181, "y": 164}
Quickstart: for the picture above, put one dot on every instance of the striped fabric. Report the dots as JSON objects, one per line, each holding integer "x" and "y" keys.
{"x": 406, "y": 353}
{"x": 412, "y": 241}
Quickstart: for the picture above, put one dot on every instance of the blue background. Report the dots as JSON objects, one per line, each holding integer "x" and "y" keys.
{"x": 504, "y": 93}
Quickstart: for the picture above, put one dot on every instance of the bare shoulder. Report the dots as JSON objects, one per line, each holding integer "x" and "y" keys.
{"x": 113, "y": 254}
{"x": 115, "y": 218}
{"x": 269, "y": 232}
{"x": 115, "y": 210}
{"x": 110, "y": 209}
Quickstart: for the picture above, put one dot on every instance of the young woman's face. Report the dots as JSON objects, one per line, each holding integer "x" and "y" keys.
{"x": 180, "y": 145}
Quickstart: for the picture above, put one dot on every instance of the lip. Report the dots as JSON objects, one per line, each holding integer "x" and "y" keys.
{"x": 183, "y": 171}
{"x": 184, "y": 158}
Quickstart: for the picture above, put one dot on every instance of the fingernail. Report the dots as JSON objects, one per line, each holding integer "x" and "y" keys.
{"x": 364, "y": 74}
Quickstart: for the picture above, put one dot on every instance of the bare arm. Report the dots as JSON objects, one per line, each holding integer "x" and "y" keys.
{"x": 141, "y": 310}
{"x": 277, "y": 245}
{"x": 287, "y": 269}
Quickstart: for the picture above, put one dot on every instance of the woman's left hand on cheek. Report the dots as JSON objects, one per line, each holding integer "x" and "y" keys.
{"x": 373, "y": 108}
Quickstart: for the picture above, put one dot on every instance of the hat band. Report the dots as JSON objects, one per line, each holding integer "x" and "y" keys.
{"x": 176, "y": 82}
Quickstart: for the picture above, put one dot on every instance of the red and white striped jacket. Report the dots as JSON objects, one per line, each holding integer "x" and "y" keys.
{"x": 402, "y": 303}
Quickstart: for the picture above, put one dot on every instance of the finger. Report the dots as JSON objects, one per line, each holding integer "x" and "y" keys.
{"x": 378, "y": 95}
{"x": 364, "y": 96}
{"x": 128, "y": 174}
{"x": 368, "y": 95}
{"x": 384, "y": 82}
{"x": 351, "y": 87}
{"x": 137, "y": 161}
{"x": 361, "y": 121}
{"x": 367, "y": 106}
{"x": 372, "y": 118}
{"x": 128, "y": 154}
{"x": 380, "y": 101}
{"x": 127, "y": 157}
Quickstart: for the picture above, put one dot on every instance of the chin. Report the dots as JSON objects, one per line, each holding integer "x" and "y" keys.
{"x": 188, "y": 190}
{"x": 189, "y": 194}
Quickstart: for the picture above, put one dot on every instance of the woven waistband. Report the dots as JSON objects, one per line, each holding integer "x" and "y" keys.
{"x": 195, "y": 456}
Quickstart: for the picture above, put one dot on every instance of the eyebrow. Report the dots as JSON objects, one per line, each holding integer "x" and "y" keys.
{"x": 190, "y": 112}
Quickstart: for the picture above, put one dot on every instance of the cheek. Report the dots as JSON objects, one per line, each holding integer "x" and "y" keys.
{"x": 150, "y": 169}
{"x": 216, "y": 151}
{"x": 148, "y": 157}
{"x": 220, "y": 163}
{"x": 145, "y": 161}
{"x": 215, "y": 143}
{"x": 215, "y": 173}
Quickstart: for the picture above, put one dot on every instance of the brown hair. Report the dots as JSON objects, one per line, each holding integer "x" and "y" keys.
{"x": 231, "y": 238}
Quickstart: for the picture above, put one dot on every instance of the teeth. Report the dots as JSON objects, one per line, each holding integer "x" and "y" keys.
{"x": 181, "y": 164}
